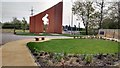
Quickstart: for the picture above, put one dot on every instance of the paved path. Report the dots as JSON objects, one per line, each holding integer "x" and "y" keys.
{"x": 17, "y": 54}
{"x": 14, "y": 51}
{"x": 0, "y": 57}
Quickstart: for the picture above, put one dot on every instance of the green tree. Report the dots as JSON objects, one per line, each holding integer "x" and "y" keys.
{"x": 111, "y": 20}
{"x": 17, "y": 24}
{"x": 7, "y": 25}
{"x": 84, "y": 11}
{"x": 24, "y": 24}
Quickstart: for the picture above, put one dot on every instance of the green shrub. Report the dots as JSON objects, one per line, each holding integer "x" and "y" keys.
{"x": 82, "y": 33}
{"x": 65, "y": 54}
{"x": 58, "y": 57}
{"x": 88, "y": 58}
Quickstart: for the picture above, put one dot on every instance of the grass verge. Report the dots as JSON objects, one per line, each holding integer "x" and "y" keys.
{"x": 76, "y": 46}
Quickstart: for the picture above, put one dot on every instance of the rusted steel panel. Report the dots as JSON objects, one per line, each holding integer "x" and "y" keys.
{"x": 32, "y": 24}
{"x": 55, "y": 20}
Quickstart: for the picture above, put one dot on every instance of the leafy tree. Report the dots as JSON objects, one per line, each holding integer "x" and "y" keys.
{"x": 7, "y": 25}
{"x": 69, "y": 27}
{"x": 84, "y": 11}
{"x": 66, "y": 27}
{"x": 94, "y": 23}
{"x": 24, "y": 24}
{"x": 74, "y": 28}
{"x": 17, "y": 24}
{"x": 110, "y": 24}
{"x": 112, "y": 18}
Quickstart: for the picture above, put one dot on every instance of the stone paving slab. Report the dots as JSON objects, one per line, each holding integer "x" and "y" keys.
{"x": 0, "y": 57}
{"x": 16, "y": 53}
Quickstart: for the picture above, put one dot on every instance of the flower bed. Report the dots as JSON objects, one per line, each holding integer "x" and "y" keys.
{"x": 63, "y": 59}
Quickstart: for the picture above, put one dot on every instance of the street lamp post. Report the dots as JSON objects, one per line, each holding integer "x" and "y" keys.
{"x": 71, "y": 18}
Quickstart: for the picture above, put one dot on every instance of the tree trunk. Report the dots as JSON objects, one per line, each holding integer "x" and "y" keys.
{"x": 86, "y": 25}
{"x": 14, "y": 29}
{"x": 119, "y": 15}
{"x": 86, "y": 29}
{"x": 88, "y": 15}
{"x": 119, "y": 26}
{"x": 24, "y": 30}
{"x": 101, "y": 16}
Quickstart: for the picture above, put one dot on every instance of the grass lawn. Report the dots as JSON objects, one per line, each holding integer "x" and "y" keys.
{"x": 76, "y": 46}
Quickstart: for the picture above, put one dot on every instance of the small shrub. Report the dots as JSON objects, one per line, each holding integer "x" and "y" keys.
{"x": 65, "y": 54}
{"x": 58, "y": 57}
{"x": 88, "y": 59}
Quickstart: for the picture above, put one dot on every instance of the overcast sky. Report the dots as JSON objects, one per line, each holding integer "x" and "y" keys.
{"x": 21, "y": 8}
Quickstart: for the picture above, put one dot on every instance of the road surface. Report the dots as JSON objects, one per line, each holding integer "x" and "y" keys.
{"x": 7, "y": 37}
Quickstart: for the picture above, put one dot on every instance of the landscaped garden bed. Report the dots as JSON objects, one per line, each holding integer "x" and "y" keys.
{"x": 75, "y": 52}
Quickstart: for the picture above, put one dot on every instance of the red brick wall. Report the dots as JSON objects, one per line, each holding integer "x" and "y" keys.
{"x": 55, "y": 20}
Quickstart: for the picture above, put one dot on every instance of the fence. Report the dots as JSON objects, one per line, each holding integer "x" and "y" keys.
{"x": 110, "y": 33}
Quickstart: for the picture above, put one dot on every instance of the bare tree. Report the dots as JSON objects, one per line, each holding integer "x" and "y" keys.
{"x": 101, "y": 5}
